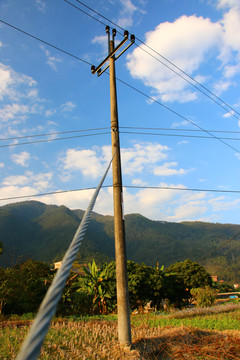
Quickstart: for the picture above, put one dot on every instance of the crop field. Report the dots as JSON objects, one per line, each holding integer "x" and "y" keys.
{"x": 202, "y": 335}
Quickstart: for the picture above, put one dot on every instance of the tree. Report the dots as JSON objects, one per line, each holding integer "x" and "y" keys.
{"x": 190, "y": 275}
{"x": 95, "y": 284}
{"x": 24, "y": 286}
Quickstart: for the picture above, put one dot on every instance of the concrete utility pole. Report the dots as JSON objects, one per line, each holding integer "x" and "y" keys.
{"x": 124, "y": 326}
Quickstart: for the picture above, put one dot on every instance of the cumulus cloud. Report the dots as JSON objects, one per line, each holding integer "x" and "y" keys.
{"x": 168, "y": 169}
{"x": 11, "y": 84}
{"x": 186, "y": 42}
{"x": 135, "y": 159}
{"x": 85, "y": 161}
{"x": 189, "y": 42}
{"x": 21, "y": 158}
{"x": 35, "y": 182}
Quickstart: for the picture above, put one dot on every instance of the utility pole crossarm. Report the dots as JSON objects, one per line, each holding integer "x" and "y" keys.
{"x": 98, "y": 69}
{"x": 124, "y": 326}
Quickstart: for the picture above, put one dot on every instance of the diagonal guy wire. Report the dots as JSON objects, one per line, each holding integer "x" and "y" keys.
{"x": 32, "y": 345}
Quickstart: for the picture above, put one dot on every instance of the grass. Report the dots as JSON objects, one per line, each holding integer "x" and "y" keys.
{"x": 175, "y": 336}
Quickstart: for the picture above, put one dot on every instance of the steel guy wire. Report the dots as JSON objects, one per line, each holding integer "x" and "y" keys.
{"x": 221, "y": 103}
{"x": 34, "y": 340}
{"x": 125, "y": 83}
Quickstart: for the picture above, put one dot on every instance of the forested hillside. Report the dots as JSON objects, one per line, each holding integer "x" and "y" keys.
{"x": 43, "y": 232}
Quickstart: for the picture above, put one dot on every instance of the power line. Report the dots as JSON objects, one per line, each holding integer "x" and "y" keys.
{"x": 102, "y": 133}
{"x": 177, "y": 135}
{"x": 107, "y": 128}
{"x": 123, "y": 82}
{"x": 49, "y": 193}
{"x": 124, "y": 186}
{"x": 176, "y": 129}
{"x": 52, "y": 133}
{"x": 50, "y": 140}
{"x": 222, "y": 103}
{"x": 45, "y": 42}
{"x": 176, "y": 113}
{"x": 180, "y": 189}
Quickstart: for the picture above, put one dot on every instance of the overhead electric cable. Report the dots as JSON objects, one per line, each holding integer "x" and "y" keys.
{"x": 222, "y": 103}
{"x": 45, "y": 42}
{"x": 176, "y": 113}
{"x": 50, "y": 140}
{"x": 52, "y": 133}
{"x": 50, "y": 193}
{"x": 124, "y": 186}
{"x": 176, "y": 129}
{"x": 120, "y": 127}
{"x": 180, "y": 189}
{"x": 177, "y": 135}
{"x": 123, "y": 82}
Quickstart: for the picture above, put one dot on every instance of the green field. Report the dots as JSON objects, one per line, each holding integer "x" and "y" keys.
{"x": 210, "y": 334}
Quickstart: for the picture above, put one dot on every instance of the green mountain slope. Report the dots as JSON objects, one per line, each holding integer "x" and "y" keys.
{"x": 43, "y": 232}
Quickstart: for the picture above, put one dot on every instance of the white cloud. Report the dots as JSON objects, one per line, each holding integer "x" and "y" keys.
{"x": 187, "y": 43}
{"x": 68, "y": 106}
{"x": 142, "y": 155}
{"x": 188, "y": 211}
{"x": 13, "y": 111}
{"x": 168, "y": 170}
{"x": 16, "y": 180}
{"x": 1, "y": 165}
{"x": 85, "y": 161}
{"x": 126, "y": 15}
{"x": 136, "y": 159}
{"x": 11, "y": 84}
{"x": 227, "y": 3}
{"x": 222, "y": 204}
{"x": 35, "y": 182}
{"x": 21, "y": 158}
{"x": 5, "y": 80}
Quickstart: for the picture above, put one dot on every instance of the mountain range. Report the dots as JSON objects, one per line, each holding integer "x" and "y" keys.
{"x": 34, "y": 230}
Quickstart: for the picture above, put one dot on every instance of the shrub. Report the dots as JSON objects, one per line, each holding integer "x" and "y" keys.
{"x": 204, "y": 297}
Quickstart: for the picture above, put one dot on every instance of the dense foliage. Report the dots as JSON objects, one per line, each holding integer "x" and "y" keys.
{"x": 93, "y": 291}
{"x": 23, "y": 287}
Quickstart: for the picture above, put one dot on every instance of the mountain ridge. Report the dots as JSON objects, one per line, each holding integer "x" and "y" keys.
{"x": 32, "y": 229}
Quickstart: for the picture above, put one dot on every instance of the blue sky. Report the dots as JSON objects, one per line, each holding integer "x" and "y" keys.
{"x": 44, "y": 91}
